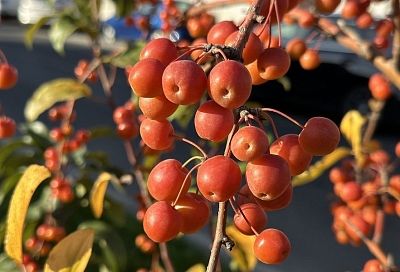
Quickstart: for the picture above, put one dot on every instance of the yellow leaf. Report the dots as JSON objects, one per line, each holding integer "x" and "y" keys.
{"x": 318, "y": 168}
{"x": 242, "y": 253}
{"x": 72, "y": 253}
{"x": 30, "y": 180}
{"x": 197, "y": 268}
{"x": 351, "y": 127}
{"x": 49, "y": 93}
{"x": 98, "y": 192}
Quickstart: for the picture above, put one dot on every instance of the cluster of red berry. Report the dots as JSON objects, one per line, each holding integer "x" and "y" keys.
{"x": 39, "y": 245}
{"x": 356, "y": 214}
{"x": 163, "y": 79}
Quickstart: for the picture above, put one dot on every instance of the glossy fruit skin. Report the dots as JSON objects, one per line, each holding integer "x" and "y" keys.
{"x": 273, "y": 63}
{"x": 218, "y": 178}
{"x": 8, "y": 76}
{"x": 278, "y": 203}
{"x": 122, "y": 115}
{"x": 254, "y": 215}
{"x": 213, "y": 122}
{"x": 195, "y": 212}
{"x": 157, "y": 108}
{"x": 161, "y": 49}
{"x": 272, "y": 246}
{"x": 7, "y": 127}
{"x": 249, "y": 143}
{"x": 220, "y": 31}
{"x": 320, "y": 136}
{"x": 288, "y": 147}
{"x": 145, "y": 77}
{"x": 268, "y": 176}
{"x": 255, "y": 74}
{"x": 157, "y": 134}
{"x": 161, "y": 222}
{"x": 165, "y": 180}
{"x": 184, "y": 82}
{"x": 230, "y": 84}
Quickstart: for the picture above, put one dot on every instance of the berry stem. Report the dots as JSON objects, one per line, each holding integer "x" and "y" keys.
{"x": 373, "y": 247}
{"x": 279, "y": 23}
{"x": 183, "y": 139}
{"x": 192, "y": 159}
{"x": 396, "y": 36}
{"x": 239, "y": 210}
{"x": 184, "y": 182}
{"x": 283, "y": 115}
{"x": 3, "y": 58}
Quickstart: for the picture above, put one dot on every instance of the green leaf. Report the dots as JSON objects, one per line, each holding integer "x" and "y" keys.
{"x": 318, "y": 168}
{"x": 127, "y": 58}
{"x": 60, "y": 31}
{"x": 30, "y": 180}
{"x": 7, "y": 185}
{"x": 54, "y": 91}
{"x": 72, "y": 253}
{"x": 6, "y": 264}
{"x": 32, "y": 30}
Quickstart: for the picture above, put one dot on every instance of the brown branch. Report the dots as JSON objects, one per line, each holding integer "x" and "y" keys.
{"x": 396, "y": 37}
{"x": 197, "y": 10}
{"x": 361, "y": 48}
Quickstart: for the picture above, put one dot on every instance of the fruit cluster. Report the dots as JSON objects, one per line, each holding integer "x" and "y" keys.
{"x": 165, "y": 78}
{"x": 40, "y": 244}
{"x": 362, "y": 203}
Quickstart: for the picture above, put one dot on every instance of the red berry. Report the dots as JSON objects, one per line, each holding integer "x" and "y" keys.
{"x": 162, "y": 222}
{"x": 157, "y": 134}
{"x": 166, "y": 179}
{"x": 213, "y": 122}
{"x": 7, "y": 127}
{"x": 268, "y": 176}
{"x": 218, "y": 178}
{"x": 320, "y": 136}
{"x": 8, "y": 76}
{"x": 271, "y": 246}
{"x": 249, "y": 143}
{"x": 253, "y": 217}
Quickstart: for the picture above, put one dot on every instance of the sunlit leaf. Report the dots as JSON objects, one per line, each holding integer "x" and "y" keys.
{"x": 54, "y": 91}
{"x": 197, "y": 268}
{"x": 318, "y": 168}
{"x": 19, "y": 203}
{"x": 98, "y": 192}
{"x": 32, "y": 30}
{"x": 351, "y": 127}
{"x": 60, "y": 31}
{"x": 72, "y": 253}
{"x": 113, "y": 250}
{"x": 242, "y": 253}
